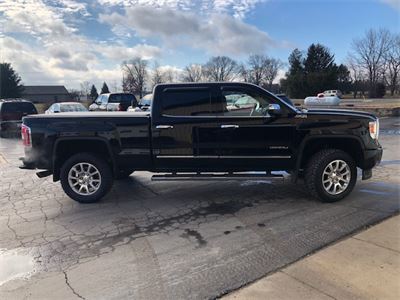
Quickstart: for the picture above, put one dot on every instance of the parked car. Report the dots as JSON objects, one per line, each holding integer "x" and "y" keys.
{"x": 11, "y": 113}
{"x": 192, "y": 134}
{"x": 144, "y": 104}
{"x": 113, "y": 102}
{"x": 333, "y": 93}
{"x": 65, "y": 107}
{"x": 322, "y": 100}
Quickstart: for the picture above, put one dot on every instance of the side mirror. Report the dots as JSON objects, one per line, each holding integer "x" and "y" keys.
{"x": 274, "y": 109}
{"x": 56, "y": 111}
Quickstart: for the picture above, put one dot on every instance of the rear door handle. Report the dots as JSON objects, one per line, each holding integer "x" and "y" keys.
{"x": 229, "y": 126}
{"x": 164, "y": 126}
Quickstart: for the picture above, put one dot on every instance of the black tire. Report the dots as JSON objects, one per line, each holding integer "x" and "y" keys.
{"x": 123, "y": 174}
{"x": 315, "y": 168}
{"x": 106, "y": 177}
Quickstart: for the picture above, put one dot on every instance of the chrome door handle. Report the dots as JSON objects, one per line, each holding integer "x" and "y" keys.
{"x": 229, "y": 126}
{"x": 164, "y": 126}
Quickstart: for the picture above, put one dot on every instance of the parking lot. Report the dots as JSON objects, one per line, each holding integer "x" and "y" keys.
{"x": 173, "y": 240}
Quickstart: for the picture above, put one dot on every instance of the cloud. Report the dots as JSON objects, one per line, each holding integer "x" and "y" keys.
{"x": 120, "y": 53}
{"x": 393, "y": 3}
{"x": 54, "y": 52}
{"x": 33, "y": 17}
{"x": 219, "y": 34}
{"x": 237, "y": 8}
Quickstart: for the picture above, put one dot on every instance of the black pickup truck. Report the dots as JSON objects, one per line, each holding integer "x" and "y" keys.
{"x": 204, "y": 131}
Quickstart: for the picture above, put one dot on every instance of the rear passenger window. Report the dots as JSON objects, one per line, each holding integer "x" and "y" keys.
{"x": 118, "y": 98}
{"x": 186, "y": 102}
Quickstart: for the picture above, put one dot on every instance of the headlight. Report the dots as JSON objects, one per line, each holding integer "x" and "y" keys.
{"x": 374, "y": 129}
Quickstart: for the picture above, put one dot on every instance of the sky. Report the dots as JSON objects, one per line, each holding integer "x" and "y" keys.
{"x": 68, "y": 42}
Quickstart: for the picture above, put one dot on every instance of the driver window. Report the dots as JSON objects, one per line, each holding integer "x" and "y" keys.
{"x": 243, "y": 103}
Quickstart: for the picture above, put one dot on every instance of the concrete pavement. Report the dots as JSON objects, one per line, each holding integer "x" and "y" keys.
{"x": 364, "y": 266}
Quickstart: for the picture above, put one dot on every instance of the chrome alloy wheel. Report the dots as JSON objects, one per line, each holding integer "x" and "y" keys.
{"x": 336, "y": 177}
{"x": 84, "y": 179}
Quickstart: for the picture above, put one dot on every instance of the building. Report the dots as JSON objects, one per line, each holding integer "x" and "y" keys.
{"x": 46, "y": 93}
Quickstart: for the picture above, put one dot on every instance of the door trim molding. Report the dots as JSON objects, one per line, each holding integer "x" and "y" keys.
{"x": 224, "y": 156}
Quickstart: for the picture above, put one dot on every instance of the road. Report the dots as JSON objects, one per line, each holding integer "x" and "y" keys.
{"x": 171, "y": 240}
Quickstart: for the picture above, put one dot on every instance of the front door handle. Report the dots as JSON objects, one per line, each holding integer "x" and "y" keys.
{"x": 229, "y": 126}
{"x": 164, "y": 126}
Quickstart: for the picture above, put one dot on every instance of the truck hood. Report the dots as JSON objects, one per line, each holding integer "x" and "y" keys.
{"x": 341, "y": 112}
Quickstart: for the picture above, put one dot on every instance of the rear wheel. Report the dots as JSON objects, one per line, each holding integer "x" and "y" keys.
{"x": 86, "y": 178}
{"x": 330, "y": 175}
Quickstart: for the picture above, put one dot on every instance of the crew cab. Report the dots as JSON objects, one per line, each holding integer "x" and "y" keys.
{"x": 204, "y": 131}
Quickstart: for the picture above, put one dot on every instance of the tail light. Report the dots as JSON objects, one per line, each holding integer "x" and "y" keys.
{"x": 26, "y": 136}
{"x": 120, "y": 108}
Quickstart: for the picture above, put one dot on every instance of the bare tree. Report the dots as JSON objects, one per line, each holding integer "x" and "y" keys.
{"x": 170, "y": 75}
{"x": 257, "y": 71}
{"x": 271, "y": 70}
{"x": 260, "y": 70}
{"x": 157, "y": 75}
{"x": 392, "y": 64}
{"x": 221, "y": 68}
{"x": 369, "y": 52}
{"x": 85, "y": 88}
{"x": 134, "y": 76}
{"x": 357, "y": 75}
{"x": 193, "y": 73}
{"x": 245, "y": 73}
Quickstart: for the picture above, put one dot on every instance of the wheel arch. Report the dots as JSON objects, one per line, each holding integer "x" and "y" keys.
{"x": 347, "y": 143}
{"x": 68, "y": 146}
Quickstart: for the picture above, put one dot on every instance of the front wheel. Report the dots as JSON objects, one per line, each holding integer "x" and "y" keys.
{"x": 330, "y": 175}
{"x": 86, "y": 178}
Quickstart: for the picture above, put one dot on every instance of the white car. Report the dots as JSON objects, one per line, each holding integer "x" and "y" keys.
{"x": 332, "y": 93}
{"x": 65, "y": 107}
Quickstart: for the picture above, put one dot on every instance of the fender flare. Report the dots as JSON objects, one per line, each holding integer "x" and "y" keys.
{"x": 311, "y": 138}
{"x": 55, "y": 165}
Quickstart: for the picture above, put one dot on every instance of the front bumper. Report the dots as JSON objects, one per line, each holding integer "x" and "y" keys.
{"x": 372, "y": 158}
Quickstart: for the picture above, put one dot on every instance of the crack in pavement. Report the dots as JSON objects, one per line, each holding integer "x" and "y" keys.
{"x": 70, "y": 287}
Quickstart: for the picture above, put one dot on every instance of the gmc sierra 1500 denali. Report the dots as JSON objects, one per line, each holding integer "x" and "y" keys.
{"x": 199, "y": 131}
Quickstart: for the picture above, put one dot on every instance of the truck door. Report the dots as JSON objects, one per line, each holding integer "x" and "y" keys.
{"x": 183, "y": 128}
{"x": 250, "y": 138}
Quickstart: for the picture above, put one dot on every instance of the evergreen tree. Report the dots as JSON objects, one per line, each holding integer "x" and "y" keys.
{"x": 104, "y": 89}
{"x": 93, "y": 92}
{"x": 10, "y": 82}
{"x": 315, "y": 73}
{"x": 320, "y": 70}
{"x": 294, "y": 83}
